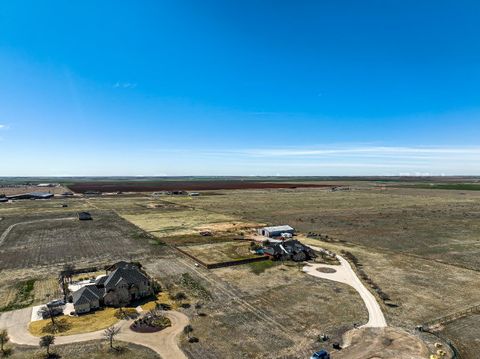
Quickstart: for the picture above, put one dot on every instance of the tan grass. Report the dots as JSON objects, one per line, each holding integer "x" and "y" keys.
{"x": 86, "y": 323}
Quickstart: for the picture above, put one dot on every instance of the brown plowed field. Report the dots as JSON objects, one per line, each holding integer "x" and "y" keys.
{"x": 135, "y": 186}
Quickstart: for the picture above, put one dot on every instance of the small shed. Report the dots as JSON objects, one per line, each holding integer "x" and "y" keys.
{"x": 84, "y": 216}
{"x": 276, "y": 231}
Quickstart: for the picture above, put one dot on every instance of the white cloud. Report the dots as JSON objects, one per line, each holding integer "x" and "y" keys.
{"x": 380, "y": 151}
{"x": 125, "y": 85}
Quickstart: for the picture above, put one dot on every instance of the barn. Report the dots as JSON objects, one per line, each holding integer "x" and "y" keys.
{"x": 276, "y": 231}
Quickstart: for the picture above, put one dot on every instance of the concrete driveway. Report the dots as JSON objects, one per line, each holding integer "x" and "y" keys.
{"x": 164, "y": 342}
{"x": 345, "y": 274}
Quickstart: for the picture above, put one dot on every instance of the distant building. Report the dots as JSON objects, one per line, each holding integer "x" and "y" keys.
{"x": 32, "y": 195}
{"x": 92, "y": 193}
{"x": 84, "y": 216}
{"x": 276, "y": 231}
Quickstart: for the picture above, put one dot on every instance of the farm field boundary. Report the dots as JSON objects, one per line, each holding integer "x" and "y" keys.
{"x": 222, "y": 264}
{"x": 81, "y": 187}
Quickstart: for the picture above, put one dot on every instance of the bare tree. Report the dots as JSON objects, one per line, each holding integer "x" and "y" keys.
{"x": 66, "y": 277}
{"x": 46, "y": 341}
{"x": 3, "y": 340}
{"x": 110, "y": 333}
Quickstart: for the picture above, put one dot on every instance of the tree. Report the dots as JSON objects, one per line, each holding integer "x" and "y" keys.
{"x": 187, "y": 330}
{"x": 3, "y": 340}
{"x": 66, "y": 276}
{"x": 110, "y": 333}
{"x": 46, "y": 341}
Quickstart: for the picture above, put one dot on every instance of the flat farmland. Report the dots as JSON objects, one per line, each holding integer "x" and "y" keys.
{"x": 148, "y": 186}
{"x": 10, "y": 190}
{"x": 53, "y": 240}
{"x": 436, "y": 224}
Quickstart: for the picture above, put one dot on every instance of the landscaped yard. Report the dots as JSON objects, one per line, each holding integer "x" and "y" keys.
{"x": 163, "y": 298}
{"x": 86, "y": 323}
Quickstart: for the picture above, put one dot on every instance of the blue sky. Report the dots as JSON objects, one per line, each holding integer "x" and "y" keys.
{"x": 239, "y": 87}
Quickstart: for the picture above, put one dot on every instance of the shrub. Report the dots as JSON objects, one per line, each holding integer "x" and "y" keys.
{"x": 61, "y": 325}
{"x": 180, "y": 296}
{"x": 126, "y": 313}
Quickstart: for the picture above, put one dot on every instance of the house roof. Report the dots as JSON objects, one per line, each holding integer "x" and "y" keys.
{"x": 284, "y": 228}
{"x": 101, "y": 280}
{"x": 127, "y": 273}
{"x": 86, "y": 294}
{"x": 131, "y": 274}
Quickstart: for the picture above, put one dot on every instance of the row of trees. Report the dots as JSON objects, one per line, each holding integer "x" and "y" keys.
{"x": 48, "y": 340}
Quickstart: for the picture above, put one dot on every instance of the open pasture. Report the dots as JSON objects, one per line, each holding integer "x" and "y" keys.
{"x": 220, "y": 252}
{"x": 435, "y": 224}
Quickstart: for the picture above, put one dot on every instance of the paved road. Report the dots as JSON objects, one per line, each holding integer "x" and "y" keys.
{"x": 8, "y": 230}
{"x": 163, "y": 342}
{"x": 345, "y": 274}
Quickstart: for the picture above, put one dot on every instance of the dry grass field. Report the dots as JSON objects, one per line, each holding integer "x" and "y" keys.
{"x": 278, "y": 313}
{"x": 220, "y": 252}
{"x": 420, "y": 246}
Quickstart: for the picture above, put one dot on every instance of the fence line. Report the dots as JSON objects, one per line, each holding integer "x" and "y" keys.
{"x": 223, "y": 264}
{"x": 453, "y": 316}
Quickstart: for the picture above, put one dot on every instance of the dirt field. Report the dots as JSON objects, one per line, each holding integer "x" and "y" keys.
{"x": 149, "y": 186}
{"x": 44, "y": 242}
{"x": 385, "y": 343}
{"x": 86, "y": 350}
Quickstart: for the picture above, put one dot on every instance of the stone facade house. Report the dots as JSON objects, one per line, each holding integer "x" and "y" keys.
{"x": 125, "y": 284}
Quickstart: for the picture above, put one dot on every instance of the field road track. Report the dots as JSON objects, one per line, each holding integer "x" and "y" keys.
{"x": 9, "y": 229}
{"x": 163, "y": 342}
{"x": 345, "y": 274}
{"x": 229, "y": 293}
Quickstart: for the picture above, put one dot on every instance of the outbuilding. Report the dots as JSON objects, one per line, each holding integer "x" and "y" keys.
{"x": 84, "y": 216}
{"x": 32, "y": 195}
{"x": 276, "y": 231}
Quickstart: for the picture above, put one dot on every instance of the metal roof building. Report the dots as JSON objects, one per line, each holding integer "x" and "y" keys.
{"x": 276, "y": 231}
{"x": 32, "y": 195}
